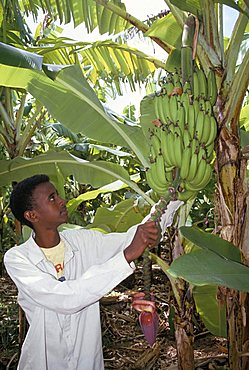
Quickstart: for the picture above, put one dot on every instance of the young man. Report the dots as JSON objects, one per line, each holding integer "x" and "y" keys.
{"x": 61, "y": 276}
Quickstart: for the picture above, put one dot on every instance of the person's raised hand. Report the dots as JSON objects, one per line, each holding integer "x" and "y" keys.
{"x": 148, "y": 235}
{"x": 167, "y": 217}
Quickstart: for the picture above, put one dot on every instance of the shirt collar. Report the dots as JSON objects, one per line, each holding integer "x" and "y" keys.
{"x": 36, "y": 255}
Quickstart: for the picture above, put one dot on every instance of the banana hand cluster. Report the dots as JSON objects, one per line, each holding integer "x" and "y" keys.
{"x": 182, "y": 141}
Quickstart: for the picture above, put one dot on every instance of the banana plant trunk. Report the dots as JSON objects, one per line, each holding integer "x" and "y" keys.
{"x": 233, "y": 212}
{"x": 184, "y": 332}
{"x": 184, "y": 344}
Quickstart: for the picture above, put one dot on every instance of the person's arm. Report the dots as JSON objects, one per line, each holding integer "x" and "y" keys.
{"x": 70, "y": 296}
{"x": 147, "y": 236}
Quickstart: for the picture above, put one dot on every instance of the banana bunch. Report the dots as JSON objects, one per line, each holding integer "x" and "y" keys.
{"x": 182, "y": 141}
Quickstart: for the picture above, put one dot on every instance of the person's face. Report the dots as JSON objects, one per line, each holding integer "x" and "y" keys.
{"x": 49, "y": 209}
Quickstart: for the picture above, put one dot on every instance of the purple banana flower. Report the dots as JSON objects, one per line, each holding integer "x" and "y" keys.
{"x": 148, "y": 318}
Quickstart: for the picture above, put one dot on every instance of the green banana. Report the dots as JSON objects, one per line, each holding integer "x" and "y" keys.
{"x": 192, "y": 167}
{"x": 178, "y": 148}
{"x": 153, "y": 154}
{"x": 196, "y": 106}
{"x": 212, "y": 87}
{"x": 171, "y": 141}
{"x": 187, "y": 139}
{"x": 195, "y": 145}
{"x": 155, "y": 143}
{"x": 209, "y": 150}
{"x": 206, "y": 129}
{"x": 160, "y": 190}
{"x": 202, "y": 155}
{"x": 191, "y": 120}
{"x": 181, "y": 118}
{"x": 196, "y": 186}
{"x": 208, "y": 107}
{"x": 199, "y": 125}
{"x": 193, "y": 185}
{"x": 173, "y": 107}
{"x": 202, "y": 103}
{"x": 177, "y": 130}
{"x": 156, "y": 106}
{"x": 186, "y": 195}
{"x": 186, "y": 159}
{"x": 165, "y": 108}
{"x": 160, "y": 169}
{"x": 169, "y": 176}
{"x": 166, "y": 148}
{"x": 184, "y": 99}
{"x": 155, "y": 172}
{"x": 202, "y": 81}
{"x": 213, "y": 130}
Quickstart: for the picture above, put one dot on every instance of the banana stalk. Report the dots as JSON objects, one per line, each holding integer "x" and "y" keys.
{"x": 160, "y": 209}
{"x": 187, "y": 50}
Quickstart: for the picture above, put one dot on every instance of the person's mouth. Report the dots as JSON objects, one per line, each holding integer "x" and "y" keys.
{"x": 64, "y": 211}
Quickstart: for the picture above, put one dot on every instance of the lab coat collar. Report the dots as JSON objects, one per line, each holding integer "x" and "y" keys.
{"x": 36, "y": 255}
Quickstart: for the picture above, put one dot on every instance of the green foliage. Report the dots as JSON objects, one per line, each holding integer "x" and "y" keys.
{"x": 211, "y": 309}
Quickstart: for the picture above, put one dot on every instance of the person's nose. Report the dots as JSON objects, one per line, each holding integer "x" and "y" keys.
{"x": 62, "y": 201}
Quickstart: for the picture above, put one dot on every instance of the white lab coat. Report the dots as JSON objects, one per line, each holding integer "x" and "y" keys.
{"x": 64, "y": 319}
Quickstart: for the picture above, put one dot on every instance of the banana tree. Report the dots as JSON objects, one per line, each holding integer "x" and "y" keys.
{"x": 230, "y": 166}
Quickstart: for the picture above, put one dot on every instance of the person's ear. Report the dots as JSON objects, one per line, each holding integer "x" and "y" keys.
{"x": 31, "y": 216}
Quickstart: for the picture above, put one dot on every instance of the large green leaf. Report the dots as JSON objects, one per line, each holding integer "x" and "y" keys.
{"x": 109, "y": 188}
{"x": 119, "y": 219}
{"x": 106, "y": 60}
{"x": 167, "y": 30}
{"x": 244, "y": 138}
{"x": 147, "y": 114}
{"x": 72, "y": 102}
{"x": 95, "y": 173}
{"x": 17, "y": 78}
{"x": 203, "y": 267}
{"x": 90, "y": 12}
{"x": 211, "y": 242}
{"x": 173, "y": 61}
{"x": 20, "y": 58}
{"x": 190, "y": 6}
{"x": 211, "y": 310}
{"x": 244, "y": 117}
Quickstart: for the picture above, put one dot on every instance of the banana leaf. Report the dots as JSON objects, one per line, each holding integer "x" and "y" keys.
{"x": 109, "y": 188}
{"x": 96, "y": 173}
{"x": 204, "y": 267}
{"x": 211, "y": 242}
{"x": 71, "y": 100}
{"x": 211, "y": 310}
{"x": 10, "y": 55}
{"x": 167, "y": 30}
{"x": 190, "y": 6}
{"x": 119, "y": 219}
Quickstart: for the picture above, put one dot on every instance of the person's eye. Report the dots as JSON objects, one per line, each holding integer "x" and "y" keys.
{"x": 52, "y": 198}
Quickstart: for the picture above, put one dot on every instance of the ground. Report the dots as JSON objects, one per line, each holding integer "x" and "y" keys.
{"x": 123, "y": 342}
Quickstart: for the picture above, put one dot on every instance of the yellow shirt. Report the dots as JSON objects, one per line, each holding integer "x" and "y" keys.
{"x": 56, "y": 256}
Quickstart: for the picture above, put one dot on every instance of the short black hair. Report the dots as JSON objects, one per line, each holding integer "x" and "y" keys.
{"x": 21, "y": 197}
